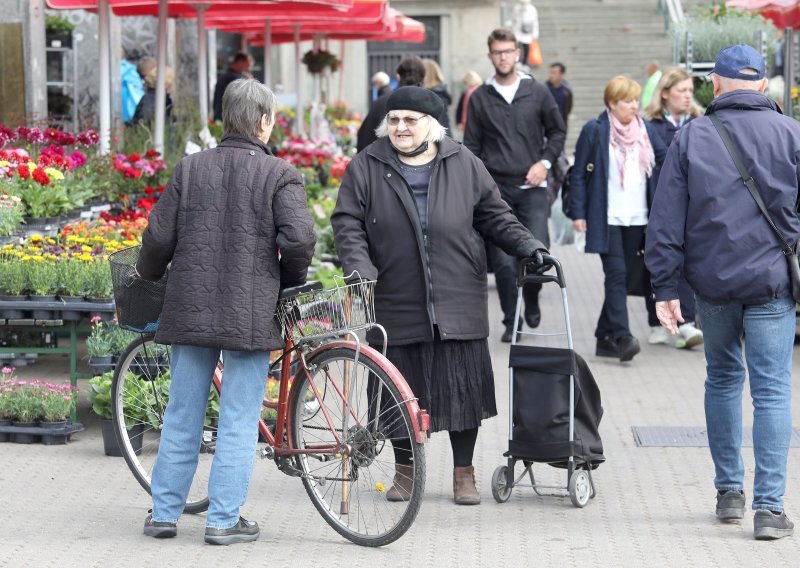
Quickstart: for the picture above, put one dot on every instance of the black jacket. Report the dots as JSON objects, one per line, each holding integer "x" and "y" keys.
{"x": 242, "y": 206}
{"x": 366, "y": 132}
{"x": 438, "y": 277}
{"x": 705, "y": 223}
{"x": 510, "y": 138}
{"x": 146, "y": 109}
{"x": 566, "y": 91}
{"x": 447, "y": 100}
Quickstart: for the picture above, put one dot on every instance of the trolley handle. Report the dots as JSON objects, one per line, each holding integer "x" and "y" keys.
{"x": 530, "y": 273}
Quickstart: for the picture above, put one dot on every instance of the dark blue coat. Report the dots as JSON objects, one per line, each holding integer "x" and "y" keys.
{"x": 705, "y": 223}
{"x": 665, "y": 129}
{"x": 589, "y": 198}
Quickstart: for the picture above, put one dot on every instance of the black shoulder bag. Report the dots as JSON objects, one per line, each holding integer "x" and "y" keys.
{"x": 750, "y": 183}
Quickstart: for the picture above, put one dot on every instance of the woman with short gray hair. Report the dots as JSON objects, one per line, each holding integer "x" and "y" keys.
{"x": 233, "y": 226}
{"x": 413, "y": 210}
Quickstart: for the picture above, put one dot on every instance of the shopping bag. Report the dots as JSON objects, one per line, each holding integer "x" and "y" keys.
{"x": 534, "y": 54}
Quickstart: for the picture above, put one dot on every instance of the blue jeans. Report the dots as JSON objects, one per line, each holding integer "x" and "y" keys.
{"x": 768, "y": 330}
{"x": 192, "y": 369}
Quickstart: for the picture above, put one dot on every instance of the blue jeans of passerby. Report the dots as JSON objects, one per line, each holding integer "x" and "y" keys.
{"x": 623, "y": 244}
{"x": 768, "y": 332}
{"x": 532, "y": 210}
{"x": 243, "y": 386}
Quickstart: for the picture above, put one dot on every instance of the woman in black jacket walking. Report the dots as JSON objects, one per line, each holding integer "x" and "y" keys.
{"x": 411, "y": 212}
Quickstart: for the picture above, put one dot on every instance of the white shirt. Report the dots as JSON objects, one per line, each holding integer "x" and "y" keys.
{"x": 506, "y": 91}
{"x": 627, "y": 206}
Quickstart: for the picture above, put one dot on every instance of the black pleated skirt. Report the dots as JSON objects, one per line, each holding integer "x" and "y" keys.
{"x": 453, "y": 380}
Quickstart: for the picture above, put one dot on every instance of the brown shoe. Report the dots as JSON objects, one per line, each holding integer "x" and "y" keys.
{"x": 464, "y": 491}
{"x": 403, "y": 483}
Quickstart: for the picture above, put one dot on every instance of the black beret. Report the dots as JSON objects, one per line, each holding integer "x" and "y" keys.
{"x": 416, "y": 98}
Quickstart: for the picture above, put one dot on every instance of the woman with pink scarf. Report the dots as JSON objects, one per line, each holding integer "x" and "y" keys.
{"x": 617, "y": 159}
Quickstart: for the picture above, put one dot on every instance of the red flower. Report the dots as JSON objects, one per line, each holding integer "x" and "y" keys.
{"x": 150, "y": 190}
{"x": 146, "y": 203}
{"x": 24, "y": 172}
{"x": 135, "y": 157}
{"x": 40, "y": 176}
{"x": 151, "y": 154}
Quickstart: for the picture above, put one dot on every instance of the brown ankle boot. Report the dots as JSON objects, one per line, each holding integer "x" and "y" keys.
{"x": 464, "y": 491}
{"x": 403, "y": 483}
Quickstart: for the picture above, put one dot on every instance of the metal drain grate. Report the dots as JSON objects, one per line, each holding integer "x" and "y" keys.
{"x": 689, "y": 437}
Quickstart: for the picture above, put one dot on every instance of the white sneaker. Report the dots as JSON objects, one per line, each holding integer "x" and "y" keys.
{"x": 688, "y": 336}
{"x": 658, "y": 336}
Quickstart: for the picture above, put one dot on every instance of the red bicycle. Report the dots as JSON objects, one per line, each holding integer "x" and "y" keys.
{"x": 339, "y": 407}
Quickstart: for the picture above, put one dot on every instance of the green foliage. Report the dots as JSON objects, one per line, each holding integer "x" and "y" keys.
{"x": 703, "y": 92}
{"x": 100, "y": 394}
{"x": 57, "y": 402}
{"x": 98, "y": 279}
{"x": 41, "y": 277}
{"x": 12, "y": 276}
{"x": 715, "y": 28}
{"x": 212, "y": 408}
{"x": 72, "y": 276}
{"x": 100, "y": 340}
{"x": 57, "y": 25}
{"x": 46, "y": 200}
{"x": 11, "y": 212}
{"x": 328, "y": 275}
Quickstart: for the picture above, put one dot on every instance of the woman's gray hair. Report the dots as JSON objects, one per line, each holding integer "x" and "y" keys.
{"x": 437, "y": 132}
{"x": 244, "y": 103}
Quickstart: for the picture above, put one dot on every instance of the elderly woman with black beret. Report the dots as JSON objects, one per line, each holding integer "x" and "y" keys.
{"x": 412, "y": 213}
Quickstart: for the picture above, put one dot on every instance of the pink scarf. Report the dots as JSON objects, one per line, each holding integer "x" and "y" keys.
{"x": 625, "y": 138}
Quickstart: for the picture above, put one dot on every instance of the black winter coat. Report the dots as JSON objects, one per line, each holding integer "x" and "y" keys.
{"x": 242, "y": 206}
{"x": 510, "y": 138}
{"x": 438, "y": 277}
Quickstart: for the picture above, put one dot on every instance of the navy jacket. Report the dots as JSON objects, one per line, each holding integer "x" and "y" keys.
{"x": 589, "y": 179}
{"x": 665, "y": 129}
{"x": 704, "y": 220}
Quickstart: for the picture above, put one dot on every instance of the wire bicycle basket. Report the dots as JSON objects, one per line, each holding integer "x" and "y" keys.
{"x": 138, "y": 301}
{"x": 325, "y": 313}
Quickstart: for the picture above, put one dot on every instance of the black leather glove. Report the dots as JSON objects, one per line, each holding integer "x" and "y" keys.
{"x": 538, "y": 257}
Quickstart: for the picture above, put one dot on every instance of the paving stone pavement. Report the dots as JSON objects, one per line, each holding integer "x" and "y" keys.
{"x": 72, "y": 506}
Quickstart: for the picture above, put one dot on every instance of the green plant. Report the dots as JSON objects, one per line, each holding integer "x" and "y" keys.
{"x": 11, "y": 212}
{"x": 26, "y": 401}
{"x": 718, "y": 27}
{"x": 212, "y": 408}
{"x": 703, "y": 92}
{"x": 72, "y": 277}
{"x": 12, "y": 275}
{"x": 317, "y": 61}
{"x": 120, "y": 338}
{"x": 99, "y": 342}
{"x": 98, "y": 278}
{"x": 41, "y": 276}
{"x": 100, "y": 394}
{"x": 46, "y": 200}
{"x": 57, "y": 25}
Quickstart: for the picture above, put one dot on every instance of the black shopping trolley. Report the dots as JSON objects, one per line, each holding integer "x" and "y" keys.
{"x": 554, "y": 406}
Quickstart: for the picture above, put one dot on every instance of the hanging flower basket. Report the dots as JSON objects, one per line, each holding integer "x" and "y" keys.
{"x": 317, "y": 61}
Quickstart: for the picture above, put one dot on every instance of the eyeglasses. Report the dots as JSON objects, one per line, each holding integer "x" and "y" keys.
{"x": 504, "y": 53}
{"x": 410, "y": 121}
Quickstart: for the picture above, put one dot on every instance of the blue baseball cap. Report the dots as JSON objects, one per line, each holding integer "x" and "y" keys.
{"x": 734, "y": 58}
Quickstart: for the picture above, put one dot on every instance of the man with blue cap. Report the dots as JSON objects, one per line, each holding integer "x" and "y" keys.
{"x": 724, "y": 175}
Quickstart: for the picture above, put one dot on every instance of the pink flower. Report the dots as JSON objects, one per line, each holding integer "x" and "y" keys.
{"x": 96, "y": 319}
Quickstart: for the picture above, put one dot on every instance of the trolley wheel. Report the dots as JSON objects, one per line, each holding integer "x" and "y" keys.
{"x": 580, "y": 488}
{"x": 500, "y": 489}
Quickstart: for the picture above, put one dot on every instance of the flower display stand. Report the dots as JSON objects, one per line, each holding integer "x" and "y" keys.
{"x": 51, "y": 326}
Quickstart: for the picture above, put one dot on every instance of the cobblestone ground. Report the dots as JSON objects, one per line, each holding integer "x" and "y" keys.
{"x": 72, "y": 506}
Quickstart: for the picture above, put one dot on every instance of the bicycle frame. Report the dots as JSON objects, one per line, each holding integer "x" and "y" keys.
{"x": 282, "y": 443}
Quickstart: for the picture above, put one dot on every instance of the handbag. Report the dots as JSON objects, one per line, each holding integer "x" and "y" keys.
{"x": 534, "y": 54}
{"x": 790, "y": 253}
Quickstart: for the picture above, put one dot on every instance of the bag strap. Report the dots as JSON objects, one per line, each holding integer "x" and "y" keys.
{"x": 748, "y": 180}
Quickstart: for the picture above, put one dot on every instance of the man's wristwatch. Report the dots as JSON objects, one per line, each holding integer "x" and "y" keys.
{"x": 546, "y": 163}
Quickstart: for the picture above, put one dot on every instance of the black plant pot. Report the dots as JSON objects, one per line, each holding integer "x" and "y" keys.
{"x": 71, "y": 315}
{"x": 4, "y": 436}
{"x": 110, "y": 445}
{"x": 53, "y": 436}
{"x": 63, "y": 40}
{"x": 40, "y": 314}
{"x": 20, "y": 438}
{"x": 12, "y": 313}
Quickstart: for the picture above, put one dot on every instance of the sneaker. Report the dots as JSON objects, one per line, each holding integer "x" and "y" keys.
{"x": 627, "y": 347}
{"x": 243, "y": 531}
{"x": 159, "y": 529}
{"x": 658, "y": 336}
{"x": 688, "y": 336}
{"x": 730, "y": 505}
{"x": 770, "y": 526}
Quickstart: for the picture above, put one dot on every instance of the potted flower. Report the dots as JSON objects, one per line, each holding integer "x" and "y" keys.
{"x": 26, "y": 408}
{"x": 12, "y": 284}
{"x": 72, "y": 284}
{"x": 98, "y": 281}
{"x": 100, "y": 399}
{"x": 6, "y": 393}
{"x": 42, "y": 277}
{"x": 58, "y": 31}
{"x": 11, "y": 212}
{"x": 98, "y": 346}
{"x": 57, "y": 404}
{"x": 317, "y": 61}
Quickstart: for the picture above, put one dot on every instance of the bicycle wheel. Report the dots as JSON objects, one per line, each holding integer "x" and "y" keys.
{"x": 139, "y": 396}
{"x": 350, "y": 491}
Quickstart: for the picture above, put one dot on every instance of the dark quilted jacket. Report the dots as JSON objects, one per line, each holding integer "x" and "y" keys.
{"x": 242, "y": 206}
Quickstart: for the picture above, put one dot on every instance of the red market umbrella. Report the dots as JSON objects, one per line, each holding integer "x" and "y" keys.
{"x": 783, "y": 13}
{"x": 186, "y": 8}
